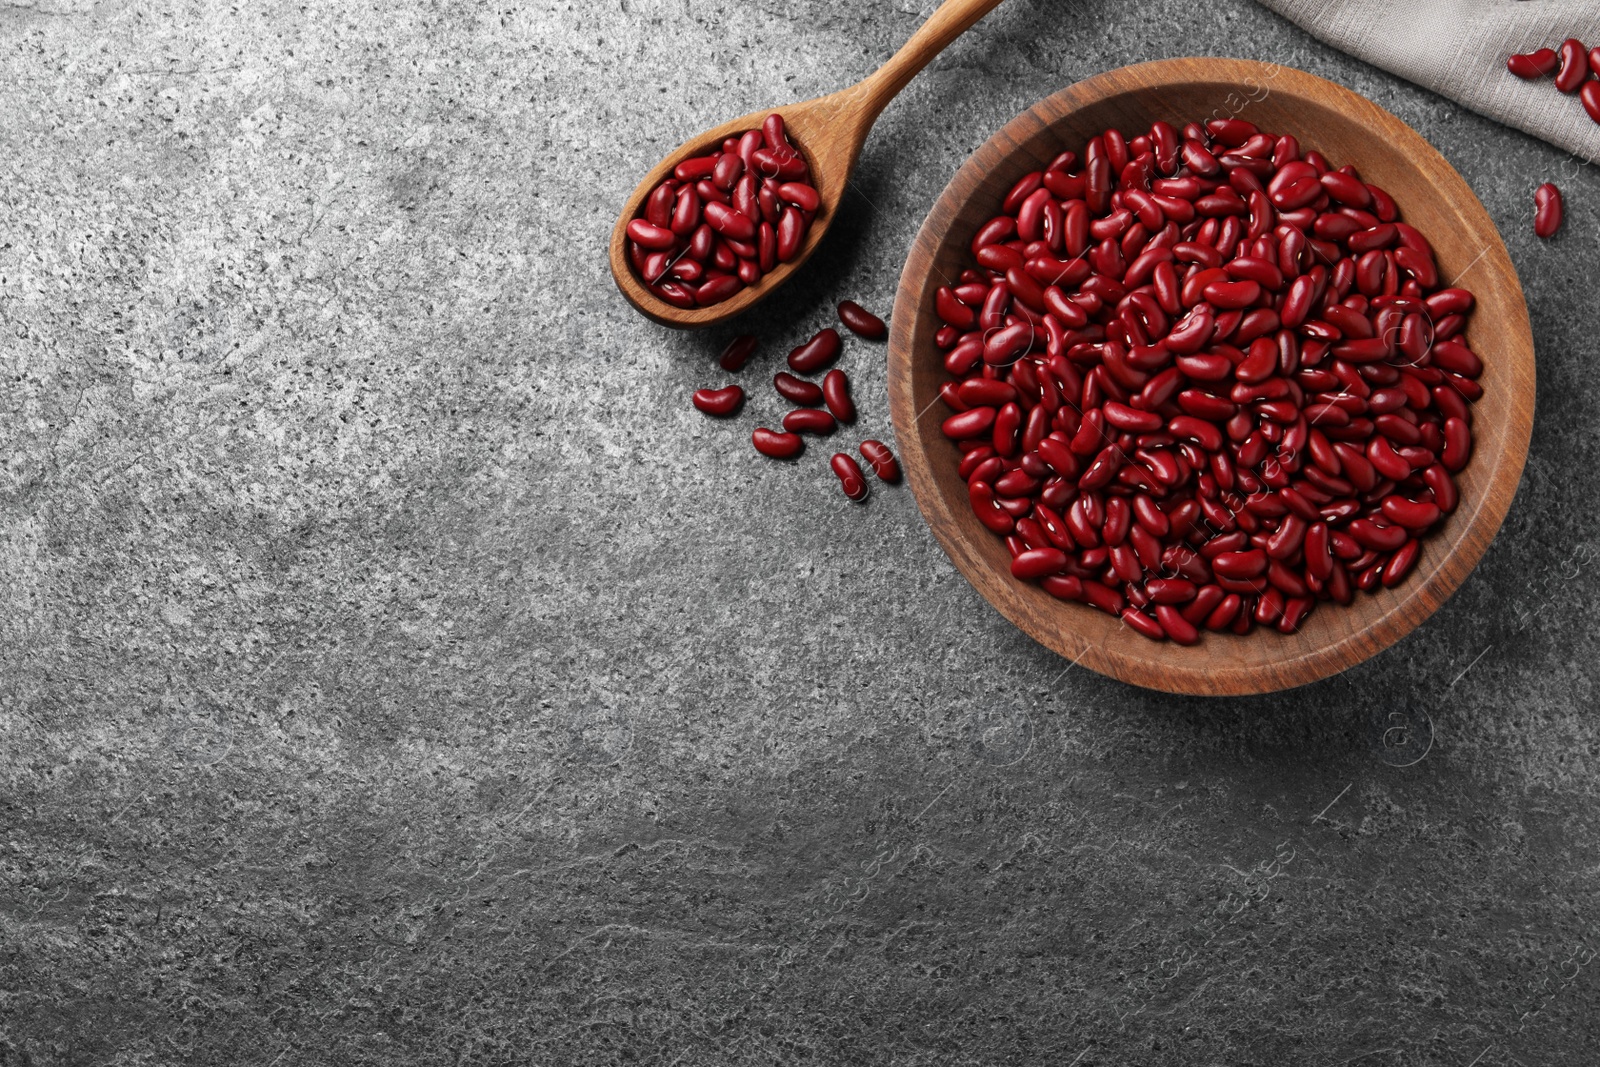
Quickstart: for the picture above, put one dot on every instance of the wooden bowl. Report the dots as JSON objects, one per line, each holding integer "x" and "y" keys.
{"x": 1347, "y": 129}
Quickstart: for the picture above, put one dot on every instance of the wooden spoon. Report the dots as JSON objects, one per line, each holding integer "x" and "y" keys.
{"x": 829, "y": 131}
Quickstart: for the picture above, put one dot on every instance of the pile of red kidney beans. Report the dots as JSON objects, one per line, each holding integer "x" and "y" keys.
{"x": 820, "y": 408}
{"x": 724, "y": 219}
{"x": 1202, "y": 379}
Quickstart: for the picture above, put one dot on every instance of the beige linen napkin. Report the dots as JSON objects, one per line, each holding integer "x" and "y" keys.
{"x": 1458, "y": 48}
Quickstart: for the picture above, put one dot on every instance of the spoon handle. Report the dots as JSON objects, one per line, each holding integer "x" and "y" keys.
{"x": 951, "y": 20}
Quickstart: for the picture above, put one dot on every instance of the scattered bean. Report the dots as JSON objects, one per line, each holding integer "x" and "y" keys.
{"x": 862, "y": 322}
{"x": 882, "y": 460}
{"x": 1574, "y": 68}
{"x": 816, "y": 353}
{"x": 1534, "y": 65}
{"x": 849, "y": 474}
{"x": 809, "y": 420}
{"x": 797, "y": 390}
{"x": 738, "y": 352}
{"x": 836, "y": 392}
{"x": 1548, "y": 210}
{"x": 777, "y": 445}
{"x": 719, "y": 402}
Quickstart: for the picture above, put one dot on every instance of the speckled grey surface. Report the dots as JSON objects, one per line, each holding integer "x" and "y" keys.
{"x": 395, "y": 669}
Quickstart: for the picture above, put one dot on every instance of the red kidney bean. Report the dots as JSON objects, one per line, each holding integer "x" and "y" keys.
{"x": 862, "y": 322}
{"x": 836, "y": 392}
{"x": 1589, "y": 95}
{"x": 799, "y": 194}
{"x": 849, "y": 475}
{"x": 1007, "y": 426}
{"x": 1573, "y": 70}
{"x": 809, "y": 420}
{"x": 1548, "y": 210}
{"x": 882, "y": 461}
{"x": 1233, "y": 294}
{"x": 1534, "y": 65}
{"x": 719, "y": 402}
{"x": 777, "y": 445}
{"x": 821, "y": 350}
{"x": 791, "y": 231}
{"x": 716, "y": 290}
{"x": 1457, "y": 445}
{"x": 1401, "y": 563}
{"x": 990, "y": 513}
{"x": 738, "y": 352}
{"x": 1412, "y": 514}
{"x": 1241, "y": 566}
{"x": 728, "y": 222}
{"x": 968, "y": 424}
{"x": 646, "y": 235}
{"x": 1036, "y": 563}
{"x": 797, "y": 390}
{"x": 1144, "y": 624}
{"x": 1175, "y": 626}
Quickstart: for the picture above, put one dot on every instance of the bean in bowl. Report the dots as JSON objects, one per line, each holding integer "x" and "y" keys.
{"x": 1205, "y": 380}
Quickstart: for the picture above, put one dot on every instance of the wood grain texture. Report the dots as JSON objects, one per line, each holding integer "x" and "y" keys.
{"x": 829, "y": 130}
{"x": 1348, "y": 129}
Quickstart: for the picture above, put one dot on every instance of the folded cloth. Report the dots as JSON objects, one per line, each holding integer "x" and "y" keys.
{"x": 1458, "y": 48}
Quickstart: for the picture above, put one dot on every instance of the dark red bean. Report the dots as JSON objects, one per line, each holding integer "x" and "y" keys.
{"x": 1548, "y": 210}
{"x": 1036, "y": 563}
{"x": 674, "y": 294}
{"x": 1412, "y": 514}
{"x": 821, "y": 350}
{"x": 716, "y": 290}
{"x": 1401, "y": 563}
{"x": 791, "y": 231}
{"x": 1175, "y": 626}
{"x": 1144, "y": 624}
{"x": 738, "y": 352}
{"x": 729, "y": 223}
{"x": 1295, "y": 610}
{"x": 799, "y": 194}
{"x": 1007, "y": 428}
{"x": 648, "y": 236}
{"x": 719, "y": 402}
{"x": 849, "y": 475}
{"x": 836, "y": 392}
{"x": 1590, "y": 96}
{"x": 809, "y": 420}
{"x": 990, "y": 513}
{"x": 777, "y": 445}
{"x": 967, "y": 424}
{"x": 659, "y": 204}
{"x": 882, "y": 460}
{"x": 1233, "y": 294}
{"x": 1241, "y": 566}
{"x": 1540, "y": 64}
{"x": 1574, "y": 65}
{"x": 797, "y": 390}
{"x": 862, "y": 322}
{"x": 1457, "y": 444}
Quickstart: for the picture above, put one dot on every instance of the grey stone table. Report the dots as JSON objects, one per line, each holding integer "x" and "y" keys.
{"x": 395, "y": 669}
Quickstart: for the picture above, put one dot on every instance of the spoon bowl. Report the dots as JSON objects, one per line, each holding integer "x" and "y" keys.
{"x": 828, "y": 130}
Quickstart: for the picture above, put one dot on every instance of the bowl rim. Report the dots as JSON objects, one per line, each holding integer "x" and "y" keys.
{"x": 1412, "y": 601}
